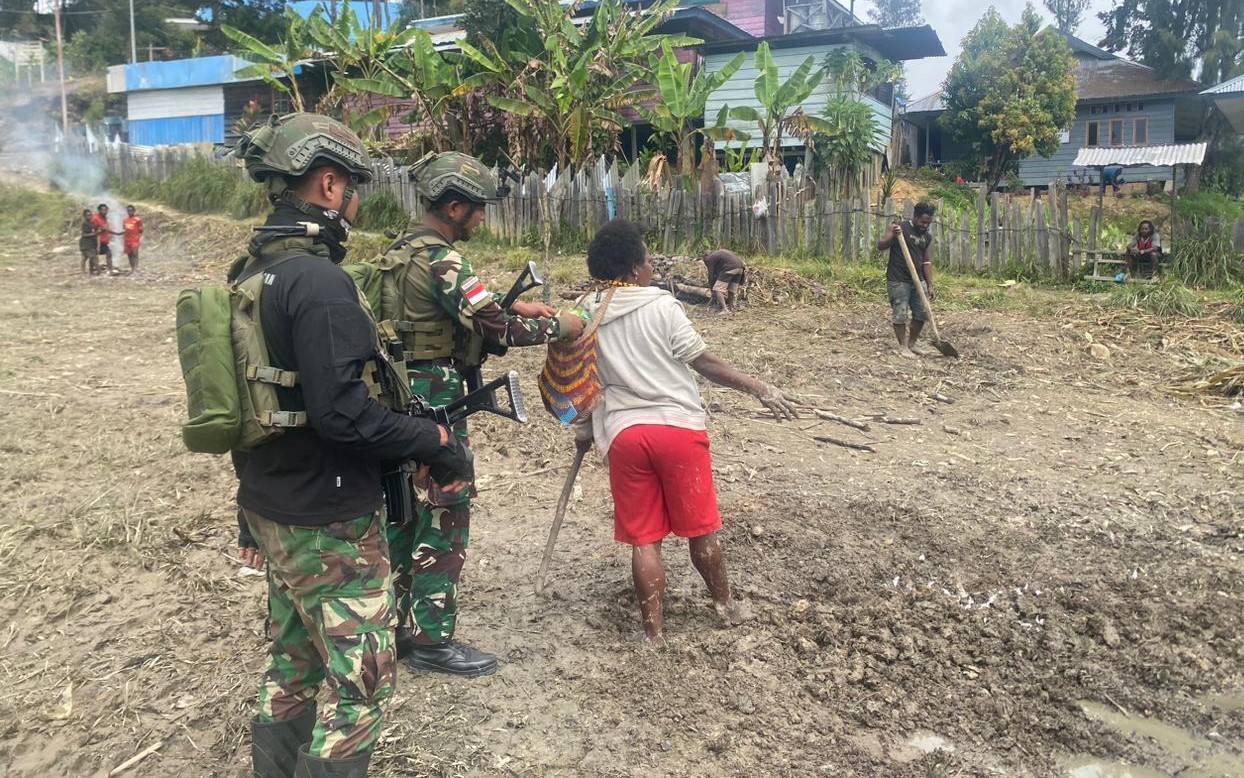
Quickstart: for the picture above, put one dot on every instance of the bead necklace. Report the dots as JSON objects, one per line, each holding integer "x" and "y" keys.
{"x": 613, "y": 282}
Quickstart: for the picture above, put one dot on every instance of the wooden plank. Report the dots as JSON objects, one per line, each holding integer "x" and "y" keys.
{"x": 1043, "y": 239}
{"x": 1094, "y": 215}
{"x": 994, "y": 235}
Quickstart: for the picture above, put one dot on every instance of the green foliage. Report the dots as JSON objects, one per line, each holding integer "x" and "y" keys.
{"x": 94, "y": 112}
{"x": 960, "y": 197}
{"x": 896, "y": 13}
{"x": 683, "y": 93}
{"x": 275, "y": 64}
{"x": 1207, "y": 261}
{"x": 24, "y": 213}
{"x": 381, "y": 212}
{"x": 1224, "y": 167}
{"x": 1168, "y": 298}
{"x": 1210, "y": 205}
{"x": 1173, "y": 36}
{"x": 1067, "y": 13}
{"x": 846, "y": 144}
{"x": 571, "y": 81}
{"x": 779, "y": 102}
{"x": 1010, "y": 92}
{"x": 487, "y": 20}
{"x": 202, "y": 186}
{"x": 101, "y": 36}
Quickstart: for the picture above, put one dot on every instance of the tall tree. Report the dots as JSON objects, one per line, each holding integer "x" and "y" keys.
{"x": 896, "y": 13}
{"x": 1010, "y": 93}
{"x": 1067, "y": 13}
{"x": 1179, "y": 37}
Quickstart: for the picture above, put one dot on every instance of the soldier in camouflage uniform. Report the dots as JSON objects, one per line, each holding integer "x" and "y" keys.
{"x": 447, "y": 317}
{"x": 311, "y": 497}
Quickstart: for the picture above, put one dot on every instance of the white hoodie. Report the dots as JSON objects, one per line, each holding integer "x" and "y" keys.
{"x": 645, "y": 342}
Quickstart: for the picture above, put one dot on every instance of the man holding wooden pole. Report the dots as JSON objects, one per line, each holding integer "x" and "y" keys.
{"x": 904, "y": 298}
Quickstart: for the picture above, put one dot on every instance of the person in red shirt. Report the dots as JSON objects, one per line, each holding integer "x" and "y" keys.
{"x": 132, "y": 226}
{"x": 100, "y": 220}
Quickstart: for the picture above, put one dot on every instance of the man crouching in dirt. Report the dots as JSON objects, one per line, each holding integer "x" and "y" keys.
{"x": 901, "y": 286}
{"x": 311, "y": 496}
{"x": 651, "y": 423}
{"x": 726, "y": 273}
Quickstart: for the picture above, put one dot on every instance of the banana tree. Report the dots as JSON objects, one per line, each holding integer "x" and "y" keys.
{"x": 276, "y": 65}
{"x": 571, "y": 77}
{"x": 779, "y": 103}
{"x": 360, "y": 53}
{"x": 682, "y": 93}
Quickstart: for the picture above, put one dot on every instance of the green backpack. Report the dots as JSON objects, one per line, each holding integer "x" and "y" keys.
{"x": 231, "y": 389}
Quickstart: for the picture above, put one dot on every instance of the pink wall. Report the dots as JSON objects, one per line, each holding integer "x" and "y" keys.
{"x": 762, "y": 18}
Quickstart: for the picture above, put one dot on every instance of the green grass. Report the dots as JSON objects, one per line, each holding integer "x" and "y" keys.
{"x": 27, "y": 213}
{"x": 1168, "y": 298}
{"x": 380, "y": 212}
{"x": 202, "y": 186}
{"x": 1209, "y": 261}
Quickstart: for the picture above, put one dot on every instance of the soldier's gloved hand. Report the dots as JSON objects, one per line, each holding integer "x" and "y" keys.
{"x": 778, "y": 402}
{"x": 453, "y": 466}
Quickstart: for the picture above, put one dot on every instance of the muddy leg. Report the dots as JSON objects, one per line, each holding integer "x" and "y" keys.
{"x": 709, "y": 562}
{"x": 649, "y": 573}
{"x": 913, "y": 333}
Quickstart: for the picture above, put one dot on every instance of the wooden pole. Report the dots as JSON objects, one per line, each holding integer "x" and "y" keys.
{"x": 60, "y": 64}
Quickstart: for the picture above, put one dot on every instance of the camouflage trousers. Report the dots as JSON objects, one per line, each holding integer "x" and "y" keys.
{"x": 429, "y": 552}
{"x": 330, "y": 611}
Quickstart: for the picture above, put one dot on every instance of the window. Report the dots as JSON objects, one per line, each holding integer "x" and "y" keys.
{"x": 1116, "y": 132}
{"x": 1090, "y": 134}
{"x": 1140, "y": 132}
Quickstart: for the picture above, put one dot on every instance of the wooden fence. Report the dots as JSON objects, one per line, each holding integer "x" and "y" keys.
{"x": 791, "y": 215}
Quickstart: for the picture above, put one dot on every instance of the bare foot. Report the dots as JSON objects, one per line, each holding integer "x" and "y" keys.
{"x": 734, "y": 613}
{"x": 905, "y": 352}
{"x": 913, "y": 348}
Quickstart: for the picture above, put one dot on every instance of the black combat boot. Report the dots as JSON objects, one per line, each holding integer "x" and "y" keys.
{"x": 403, "y": 641}
{"x": 274, "y": 746}
{"x": 314, "y": 767}
{"x": 451, "y": 657}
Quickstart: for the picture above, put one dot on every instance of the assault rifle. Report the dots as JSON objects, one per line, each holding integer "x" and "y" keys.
{"x": 502, "y": 396}
{"x": 528, "y": 279}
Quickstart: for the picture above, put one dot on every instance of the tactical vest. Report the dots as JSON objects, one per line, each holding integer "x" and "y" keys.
{"x": 402, "y": 293}
{"x": 230, "y": 382}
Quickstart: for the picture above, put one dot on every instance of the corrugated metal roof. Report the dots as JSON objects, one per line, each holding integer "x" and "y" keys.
{"x": 933, "y": 102}
{"x": 1118, "y": 78}
{"x": 1227, "y": 87}
{"x": 1173, "y": 154}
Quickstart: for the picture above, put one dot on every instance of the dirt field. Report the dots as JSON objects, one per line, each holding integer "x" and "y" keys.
{"x": 1041, "y": 577}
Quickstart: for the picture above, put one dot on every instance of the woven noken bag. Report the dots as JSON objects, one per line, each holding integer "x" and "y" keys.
{"x": 569, "y": 383}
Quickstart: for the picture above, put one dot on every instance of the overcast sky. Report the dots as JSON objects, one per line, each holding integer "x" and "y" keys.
{"x": 952, "y": 19}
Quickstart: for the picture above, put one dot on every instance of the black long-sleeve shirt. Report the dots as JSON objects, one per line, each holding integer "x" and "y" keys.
{"x": 330, "y": 470}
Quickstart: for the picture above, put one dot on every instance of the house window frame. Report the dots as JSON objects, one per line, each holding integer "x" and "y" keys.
{"x": 1138, "y": 122}
{"x": 1110, "y": 128}
{"x": 1092, "y": 134}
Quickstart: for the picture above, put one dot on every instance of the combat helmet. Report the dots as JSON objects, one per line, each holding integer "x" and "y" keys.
{"x": 290, "y": 145}
{"x": 438, "y": 173}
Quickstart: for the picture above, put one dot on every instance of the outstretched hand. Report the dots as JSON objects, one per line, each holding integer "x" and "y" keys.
{"x": 782, "y": 405}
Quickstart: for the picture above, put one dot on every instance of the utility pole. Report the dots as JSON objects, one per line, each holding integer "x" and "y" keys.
{"x": 60, "y": 64}
{"x": 133, "y": 42}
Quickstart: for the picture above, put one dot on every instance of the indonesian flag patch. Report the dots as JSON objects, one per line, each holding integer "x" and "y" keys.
{"x": 474, "y": 292}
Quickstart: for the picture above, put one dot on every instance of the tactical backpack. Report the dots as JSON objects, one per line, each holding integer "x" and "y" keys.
{"x": 425, "y": 329}
{"x": 231, "y": 385}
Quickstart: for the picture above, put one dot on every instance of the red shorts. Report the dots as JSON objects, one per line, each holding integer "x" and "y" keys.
{"x": 662, "y": 482}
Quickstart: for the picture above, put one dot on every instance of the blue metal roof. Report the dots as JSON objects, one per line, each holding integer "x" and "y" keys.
{"x": 178, "y": 73}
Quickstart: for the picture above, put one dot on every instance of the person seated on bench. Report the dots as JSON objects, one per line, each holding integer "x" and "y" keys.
{"x": 1145, "y": 249}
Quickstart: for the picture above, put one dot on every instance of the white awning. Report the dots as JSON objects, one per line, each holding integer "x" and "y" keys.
{"x": 1128, "y": 156}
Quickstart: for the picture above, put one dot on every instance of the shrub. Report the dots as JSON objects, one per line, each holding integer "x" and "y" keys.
{"x": 1168, "y": 298}
{"x": 1208, "y": 260}
{"x": 380, "y": 212}
{"x": 1209, "y": 205}
{"x": 25, "y": 211}
{"x": 201, "y": 186}
{"x": 960, "y": 197}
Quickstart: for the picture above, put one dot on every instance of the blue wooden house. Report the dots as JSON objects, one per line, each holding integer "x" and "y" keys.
{"x": 791, "y": 48}
{"x": 1119, "y": 103}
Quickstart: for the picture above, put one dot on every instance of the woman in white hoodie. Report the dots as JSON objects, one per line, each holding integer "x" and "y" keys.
{"x": 651, "y": 423}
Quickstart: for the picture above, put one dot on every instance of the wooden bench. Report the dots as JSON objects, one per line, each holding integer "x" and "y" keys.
{"x": 1108, "y": 264}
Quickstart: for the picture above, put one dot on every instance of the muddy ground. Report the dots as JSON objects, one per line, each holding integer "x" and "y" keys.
{"x": 1042, "y": 577}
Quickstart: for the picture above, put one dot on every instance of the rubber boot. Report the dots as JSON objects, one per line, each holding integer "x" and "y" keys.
{"x": 453, "y": 658}
{"x": 274, "y": 745}
{"x": 314, "y": 767}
